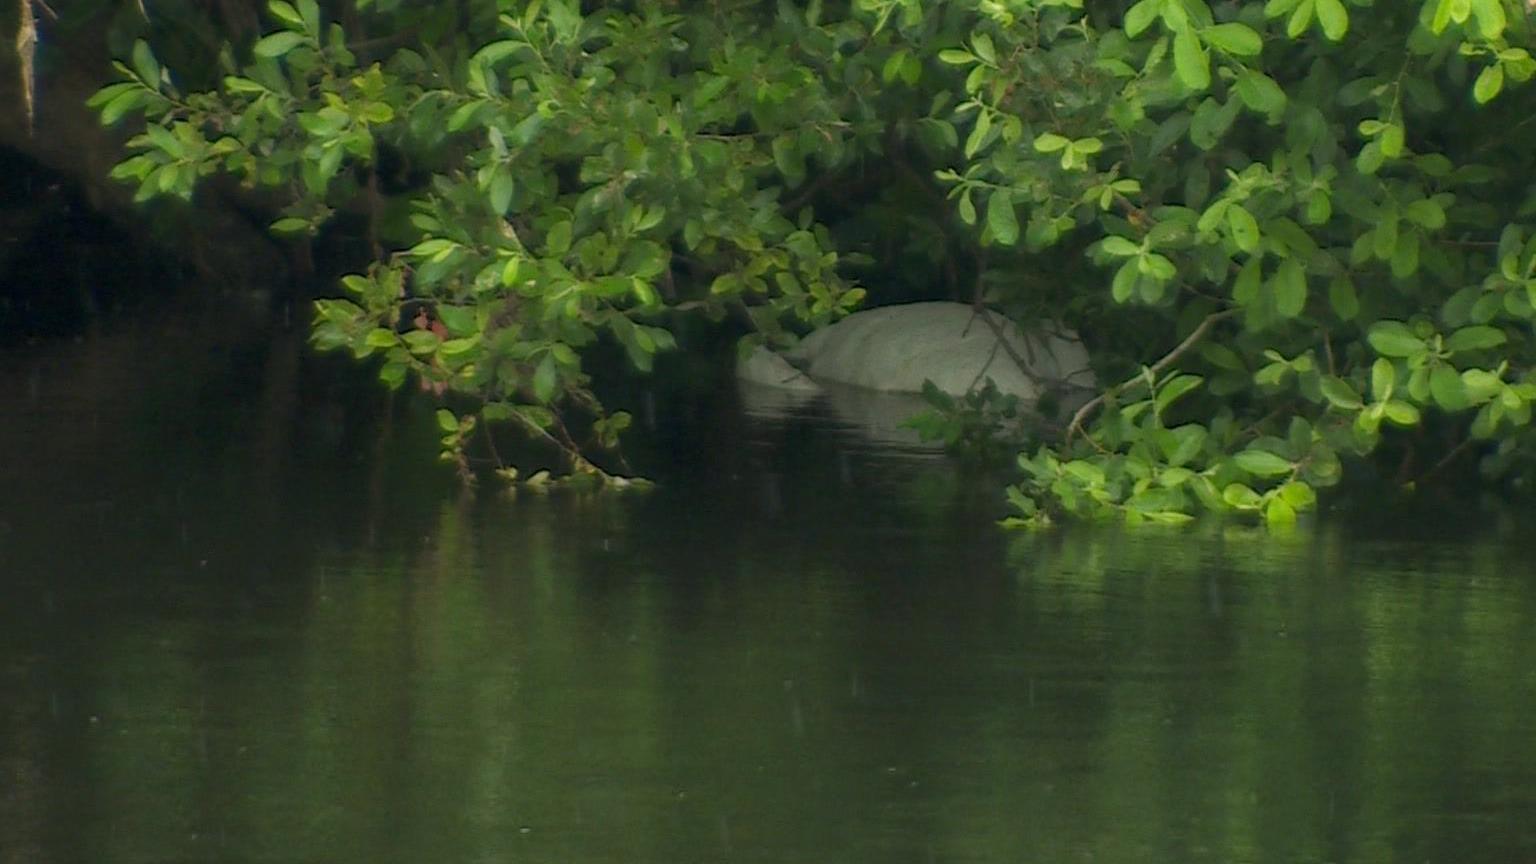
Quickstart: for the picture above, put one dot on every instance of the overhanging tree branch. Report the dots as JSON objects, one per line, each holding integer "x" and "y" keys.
{"x": 1179, "y": 350}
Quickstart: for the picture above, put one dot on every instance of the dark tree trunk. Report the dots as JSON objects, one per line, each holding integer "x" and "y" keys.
{"x": 220, "y": 235}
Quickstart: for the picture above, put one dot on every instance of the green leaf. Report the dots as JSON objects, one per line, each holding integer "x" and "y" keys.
{"x": 1394, "y": 339}
{"x": 277, "y": 44}
{"x": 460, "y": 320}
{"x": 1448, "y": 389}
{"x": 1260, "y": 92}
{"x": 982, "y": 43}
{"x": 1383, "y": 379}
{"x": 1001, "y": 218}
{"x": 1290, "y": 286}
{"x": 1338, "y": 393}
{"x": 1301, "y": 19}
{"x": 446, "y": 421}
{"x": 458, "y": 347}
{"x": 1489, "y": 82}
{"x": 1299, "y": 495}
{"x": 112, "y": 91}
{"x": 510, "y": 272}
{"x": 1491, "y": 20}
{"x": 1140, "y": 16}
{"x": 1124, "y": 284}
{"x": 1392, "y": 140}
{"x": 1481, "y": 384}
{"x": 162, "y": 137}
{"x": 1341, "y": 295}
{"x": 1245, "y": 229}
{"x": 1241, "y": 497}
{"x": 421, "y": 342}
{"x": 310, "y": 11}
{"x": 145, "y": 65}
{"x": 1120, "y": 246}
{"x": 967, "y": 208}
{"x": 1211, "y": 121}
{"x": 956, "y": 57}
{"x": 1426, "y": 213}
{"x": 1384, "y": 238}
{"x": 1370, "y": 158}
{"x": 1176, "y": 387}
{"x": 431, "y": 247}
{"x": 1401, "y": 413}
{"x": 1245, "y": 288}
{"x": 1238, "y": 39}
{"x": 1085, "y": 472}
{"x": 1334, "y": 18}
{"x": 1405, "y": 257}
{"x": 978, "y": 136}
{"x": 465, "y": 113}
{"x": 125, "y": 102}
{"x": 1157, "y": 266}
{"x": 1442, "y": 15}
{"x": 546, "y": 378}
{"x": 1475, "y": 338}
{"x": 392, "y": 374}
{"x": 236, "y": 84}
{"x": 1183, "y": 443}
{"x": 790, "y": 161}
{"x": 1262, "y": 463}
{"x": 1190, "y": 60}
{"x": 558, "y": 241}
{"x": 379, "y": 337}
{"x": 1279, "y": 512}
{"x": 1088, "y": 146}
{"x": 501, "y": 190}
{"x": 1050, "y": 142}
{"x": 284, "y": 12}
{"x": 1279, "y": 8}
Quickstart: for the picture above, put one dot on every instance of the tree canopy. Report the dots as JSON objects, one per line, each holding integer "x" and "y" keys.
{"x": 1299, "y": 234}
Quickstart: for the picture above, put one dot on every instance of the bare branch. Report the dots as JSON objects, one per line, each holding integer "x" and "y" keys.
{"x": 26, "y": 51}
{"x": 1167, "y": 360}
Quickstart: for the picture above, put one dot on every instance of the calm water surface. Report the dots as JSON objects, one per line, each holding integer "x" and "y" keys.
{"x": 236, "y": 628}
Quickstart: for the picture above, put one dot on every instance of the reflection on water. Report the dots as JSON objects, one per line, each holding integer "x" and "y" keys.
{"x": 214, "y": 647}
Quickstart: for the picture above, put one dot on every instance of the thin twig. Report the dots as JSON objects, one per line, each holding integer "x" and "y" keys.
{"x": 1178, "y": 351}
{"x": 997, "y": 330}
{"x": 490, "y": 443}
{"x": 26, "y": 52}
{"x": 1446, "y": 460}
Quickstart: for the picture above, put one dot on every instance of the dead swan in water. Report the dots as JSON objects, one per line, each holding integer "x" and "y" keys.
{"x": 895, "y": 348}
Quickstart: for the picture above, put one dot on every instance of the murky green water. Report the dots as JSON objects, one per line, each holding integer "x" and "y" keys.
{"x": 234, "y": 628}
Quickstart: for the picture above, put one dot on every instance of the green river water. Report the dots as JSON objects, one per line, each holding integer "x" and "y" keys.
{"x": 233, "y": 628}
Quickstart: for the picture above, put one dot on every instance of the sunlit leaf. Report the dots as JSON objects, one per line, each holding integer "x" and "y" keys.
{"x": 277, "y": 44}
{"x": 1449, "y": 391}
{"x": 1383, "y": 379}
{"x": 1233, "y": 38}
{"x": 1244, "y": 228}
{"x": 1334, "y": 18}
{"x": 1489, "y": 82}
{"x": 1339, "y": 393}
{"x": 1475, "y": 338}
{"x": 1262, "y": 463}
{"x": 1191, "y": 61}
{"x": 1394, "y": 339}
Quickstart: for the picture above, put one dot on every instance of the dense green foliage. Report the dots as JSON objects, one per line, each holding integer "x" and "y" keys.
{"x": 1310, "y": 224}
